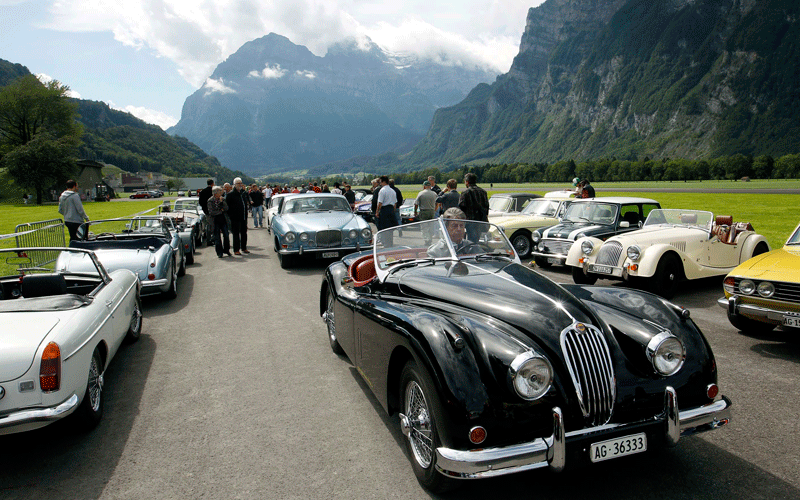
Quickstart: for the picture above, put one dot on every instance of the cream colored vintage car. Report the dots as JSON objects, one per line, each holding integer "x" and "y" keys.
{"x": 672, "y": 245}
{"x": 764, "y": 292}
{"x": 539, "y": 213}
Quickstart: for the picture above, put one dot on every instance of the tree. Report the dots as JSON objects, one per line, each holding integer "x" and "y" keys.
{"x": 31, "y": 111}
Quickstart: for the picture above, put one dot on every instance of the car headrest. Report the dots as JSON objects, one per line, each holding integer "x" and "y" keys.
{"x": 43, "y": 285}
{"x": 724, "y": 220}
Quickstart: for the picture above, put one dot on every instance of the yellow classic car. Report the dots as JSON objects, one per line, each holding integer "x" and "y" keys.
{"x": 764, "y": 292}
{"x": 538, "y": 213}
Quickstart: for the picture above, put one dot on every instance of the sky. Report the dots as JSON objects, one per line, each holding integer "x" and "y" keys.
{"x": 147, "y": 56}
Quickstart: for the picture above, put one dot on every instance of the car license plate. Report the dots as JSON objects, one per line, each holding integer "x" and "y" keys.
{"x": 553, "y": 260}
{"x": 620, "y": 447}
{"x": 600, "y": 269}
{"x": 793, "y": 321}
{"x": 329, "y": 255}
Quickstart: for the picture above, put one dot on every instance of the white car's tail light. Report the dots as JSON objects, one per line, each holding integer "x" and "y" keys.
{"x": 50, "y": 369}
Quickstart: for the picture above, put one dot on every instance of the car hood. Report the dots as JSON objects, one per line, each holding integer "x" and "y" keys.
{"x": 319, "y": 221}
{"x": 506, "y": 291}
{"x": 782, "y": 264}
{"x": 660, "y": 234}
{"x": 21, "y": 334}
{"x": 571, "y": 230}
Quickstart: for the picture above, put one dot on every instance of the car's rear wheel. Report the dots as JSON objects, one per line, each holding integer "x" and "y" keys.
{"x": 135, "y": 328}
{"x": 330, "y": 321}
{"x": 172, "y": 291}
{"x": 667, "y": 277}
{"x": 760, "y": 248}
{"x": 190, "y": 256}
{"x": 90, "y": 411}
{"x": 748, "y": 325}
{"x": 182, "y": 267}
{"x": 420, "y": 412}
{"x": 521, "y": 240}
{"x": 581, "y": 278}
{"x": 286, "y": 260}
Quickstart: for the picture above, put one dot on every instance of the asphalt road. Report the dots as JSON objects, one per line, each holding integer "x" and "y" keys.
{"x": 233, "y": 392}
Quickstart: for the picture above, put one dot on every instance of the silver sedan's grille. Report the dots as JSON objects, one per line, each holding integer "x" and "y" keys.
{"x": 609, "y": 253}
{"x": 784, "y": 291}
{"x": 589, "y": 363}
{"x": 329, "y": 238}
{"x": 557, "y": 246}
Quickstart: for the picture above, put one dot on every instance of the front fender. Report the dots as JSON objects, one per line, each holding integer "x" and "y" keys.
{"x": 749, "y": 246}
{"x": 575, "y": 253}
{"x": 651, "y": 257}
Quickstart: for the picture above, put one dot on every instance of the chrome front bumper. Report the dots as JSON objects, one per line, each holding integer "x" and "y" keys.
{"x": 551, "y": 451}
{"x": 771, "y": 315}
{"x": 559, "y": 256}
{"x": 38, "y": 415}
{"x": 304, "y": 251}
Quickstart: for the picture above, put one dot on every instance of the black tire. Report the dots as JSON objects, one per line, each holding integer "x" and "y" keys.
{"x": 580, "y": 278}
{"x": 420, "y": 404}
{"x": 667, "y": 277}
{"x": 198, "y": 238}
{"x": 182, "y": 268}
{"x": 90, "y": 411}
{"x": 751, "y": 326}
{"x": 542, "y": 262}
{"x": 190, "y": 257}
{"x": 172, "y": 292}
{"x": 135, "y": 327}
{"x": 287, "y": 261}
{"x": 330, "y": 321}
{"x": 760, "y": 248}
{"x": 521, "y": 241}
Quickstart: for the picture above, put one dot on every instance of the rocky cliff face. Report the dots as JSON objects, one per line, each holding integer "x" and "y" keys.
{"x": 630, "y": 78}
{"x": 275, "y": 106}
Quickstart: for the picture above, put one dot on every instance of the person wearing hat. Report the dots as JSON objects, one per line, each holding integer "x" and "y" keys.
{"x": 424, "y": 208}
{"x": 576, "y": 183}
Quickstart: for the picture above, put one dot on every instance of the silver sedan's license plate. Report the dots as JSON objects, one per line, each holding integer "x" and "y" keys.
{"x": 553, "y": 260}
{"x": 601, "y": 269}
{"x": 793, "y": 321}
{"x": 329, "y": 255}
{"x": 620, "y": 447}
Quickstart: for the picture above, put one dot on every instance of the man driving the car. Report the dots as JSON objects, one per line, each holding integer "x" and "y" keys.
{"x": 456, "y": 230}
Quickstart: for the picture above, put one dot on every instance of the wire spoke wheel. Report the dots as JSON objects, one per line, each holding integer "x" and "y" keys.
{"x": 330, "y": 321}
{"x": 95, "y": 386}
{"x": 421, "y": 436}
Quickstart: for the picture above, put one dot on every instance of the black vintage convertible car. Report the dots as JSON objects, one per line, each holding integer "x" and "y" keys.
{"x": 494, "y": 368}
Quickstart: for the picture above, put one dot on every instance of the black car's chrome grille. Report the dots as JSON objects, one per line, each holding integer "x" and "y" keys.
{"x": 609, "y": 253}
{"x": 557, "y": 246}
{"x": 784, "y": 291}
{"x": 589, "y": 363}
{"x": 329, "y": 238}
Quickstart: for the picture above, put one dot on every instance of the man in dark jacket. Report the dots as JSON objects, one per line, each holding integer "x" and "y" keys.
{"x": 205, "y": 194}
{"x": 237, "y": 211}
{"x": 399, "y": 201}
{"x": 475, "y": 204}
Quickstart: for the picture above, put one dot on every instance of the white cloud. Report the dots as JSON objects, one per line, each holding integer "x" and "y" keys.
{"x": 47, "y": 79}
{"x": 151, "y": 116}
{"x": 306, "y": 73}
{"x": 268, "y": 72}
{"x": 199, "y": 34}
{"x": 212, "y": 85}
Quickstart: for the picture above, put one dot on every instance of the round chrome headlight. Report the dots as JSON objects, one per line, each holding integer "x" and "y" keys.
{"x": 535, "y": 236}
{"x": 587, "y": 247}
{"x": 303, "y": 237}
{"x": 366, "y": 233}
{"x": 667, "y": 353}
{"x": 766, "y": 289}
{"x": 353, "y": 234}
{"x": 289, "y": 237}
{"x": 747, "y": 287}
{"x": 531, "y": 375}
{"x": 634, "y": 252}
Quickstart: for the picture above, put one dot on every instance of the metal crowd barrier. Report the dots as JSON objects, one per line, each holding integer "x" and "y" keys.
{"x": 46, "y": 233}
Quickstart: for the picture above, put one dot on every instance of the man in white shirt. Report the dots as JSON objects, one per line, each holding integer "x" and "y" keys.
{"x": 384, "y": 212}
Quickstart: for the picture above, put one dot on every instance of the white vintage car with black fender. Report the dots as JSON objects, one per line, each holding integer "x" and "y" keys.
{"x": 59, "y": 330}
{"x": 672, "y": 245}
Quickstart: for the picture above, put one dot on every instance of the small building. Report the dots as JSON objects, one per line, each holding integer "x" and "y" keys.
{"x": 194, "y": 183}
{"x": 131, "y": 183}
{"x": 90, "y": 180}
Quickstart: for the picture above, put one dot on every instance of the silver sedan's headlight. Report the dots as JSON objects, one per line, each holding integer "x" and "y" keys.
{"x": 667, "y": 353}
{"x": 587, "y": 247}
{"x": 290, "y": 237}
{"x": 535, "y": 236}
{"x": 353, "y": 234}
{"x": 634, "y": 252}
{"x": 303, "y": 237}
{"x": 366, "y": 233}
{"x": 747, "y": 287}
{"x": 766, "y": 289}
{"x": 531, "y": 375}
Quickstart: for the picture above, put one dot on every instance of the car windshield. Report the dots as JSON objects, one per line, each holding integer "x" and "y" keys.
{"x": 794, "y": 239}
{"x": 499, "y": 203}
{"x": 189, "y": 205}
{"x": 305, "y": 204}
{"x": 592, "y": 212}
{"x": 674, "y": 217}
{"x": 437, "y": 239}
{"x": 542, "y": 208}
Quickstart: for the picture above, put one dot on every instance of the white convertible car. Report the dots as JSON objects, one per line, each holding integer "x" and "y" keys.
{"x": 672, "y": 245}
{"x": 59, "y": 331}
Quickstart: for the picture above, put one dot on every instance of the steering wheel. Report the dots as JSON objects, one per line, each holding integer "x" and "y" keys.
{"x": 113, "y": 236}
{"x": 475, "y": 248}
